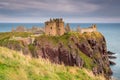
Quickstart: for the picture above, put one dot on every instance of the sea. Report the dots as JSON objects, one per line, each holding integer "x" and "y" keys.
{"x": 111, "y": 32}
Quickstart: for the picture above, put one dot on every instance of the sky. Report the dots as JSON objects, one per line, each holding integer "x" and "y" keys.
{"x": 83, "y": 11}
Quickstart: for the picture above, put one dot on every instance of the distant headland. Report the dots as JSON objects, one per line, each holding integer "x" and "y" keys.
{"x": 54, "y": 27}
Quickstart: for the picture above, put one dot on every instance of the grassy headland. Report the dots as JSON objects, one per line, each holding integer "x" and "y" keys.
{"x": 90, "y": 47}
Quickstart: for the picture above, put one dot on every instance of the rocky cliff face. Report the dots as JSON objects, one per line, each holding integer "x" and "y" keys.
{"x": 83, "y": 50}
{"x": 86, "y": 50}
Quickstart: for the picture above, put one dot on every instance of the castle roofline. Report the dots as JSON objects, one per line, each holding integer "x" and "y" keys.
{"x": 55, "y": 20}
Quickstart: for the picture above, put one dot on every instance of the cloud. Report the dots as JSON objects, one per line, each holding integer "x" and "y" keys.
{"x": 14, "y": 9}
{"x": 54, "y": 5}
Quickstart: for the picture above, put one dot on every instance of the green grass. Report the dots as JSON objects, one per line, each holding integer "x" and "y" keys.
{"x": 16, "y": 34}
{"x": 88, "y": 61}
{"x": 93, "y": 35}
{"x": 7, "y": 41}
{"x": 15, "y": 66}
{"x": 54, "y": 39}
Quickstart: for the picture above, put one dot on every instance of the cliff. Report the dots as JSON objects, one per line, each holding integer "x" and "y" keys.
{"x": 83, "y": 50}
{"x": 87, "y": 50}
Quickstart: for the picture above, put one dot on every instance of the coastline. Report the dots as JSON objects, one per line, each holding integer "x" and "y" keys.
{"x": 107, "y": 31}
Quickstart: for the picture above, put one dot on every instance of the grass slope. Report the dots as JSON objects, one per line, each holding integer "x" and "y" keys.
{"x": 15, "y": 66}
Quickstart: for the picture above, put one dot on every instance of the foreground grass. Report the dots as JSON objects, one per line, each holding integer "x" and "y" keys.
{"x": 15, "y": 66}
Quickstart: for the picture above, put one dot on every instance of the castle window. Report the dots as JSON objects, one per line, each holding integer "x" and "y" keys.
{"x": 51, "y": 28}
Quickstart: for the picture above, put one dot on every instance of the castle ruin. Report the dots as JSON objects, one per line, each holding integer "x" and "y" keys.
{"x": 34, "y": 29}
{"x": 93, "y": 28}
{"x": 54, "y": 27}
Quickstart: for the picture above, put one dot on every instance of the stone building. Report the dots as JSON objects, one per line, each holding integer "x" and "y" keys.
{"x": 93, "y": 28}
{"x": 34, "y": 29}
{"x": 19, "y": 29}
{"x": 67, "y": 28}
{"x": 54, "y": 27}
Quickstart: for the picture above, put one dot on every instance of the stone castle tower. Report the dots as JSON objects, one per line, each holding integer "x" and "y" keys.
{"x": 54, "y": 27}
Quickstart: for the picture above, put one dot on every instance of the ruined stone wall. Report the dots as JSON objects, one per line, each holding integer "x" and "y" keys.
{"x": 60, "y": 28}
{"x": 94, "y": 27}
{"x": 87, "y": 30}
{"x": 50, "y": 28}
{"x": 20, "y": 29}
{"x": 54, "y": 27}
{"x": 90, "y": 29}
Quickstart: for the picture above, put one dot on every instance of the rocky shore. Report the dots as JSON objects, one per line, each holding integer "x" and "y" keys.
{"x": 111, "y": 56}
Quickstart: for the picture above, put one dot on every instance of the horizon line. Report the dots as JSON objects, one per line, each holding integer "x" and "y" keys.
{"x": 65, "y": 22}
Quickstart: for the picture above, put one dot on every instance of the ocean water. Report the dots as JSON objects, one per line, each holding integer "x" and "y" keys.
{"x": 7, "y": 27}
{"x": 111, "y": 31}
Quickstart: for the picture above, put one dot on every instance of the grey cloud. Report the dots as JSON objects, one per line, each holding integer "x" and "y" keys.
{"x": 54, "y": 6}
{"x": 60, "y": 8}
{"x": 62, "y": 5}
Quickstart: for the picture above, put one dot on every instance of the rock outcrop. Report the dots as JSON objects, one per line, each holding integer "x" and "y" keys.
{"x": 74, "y": 48}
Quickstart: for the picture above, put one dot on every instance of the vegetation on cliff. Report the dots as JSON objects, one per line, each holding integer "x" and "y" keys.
{"x": 16, "y": 66}
{"x": 72, "y": 39}
{"x": 7, "y": 41}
